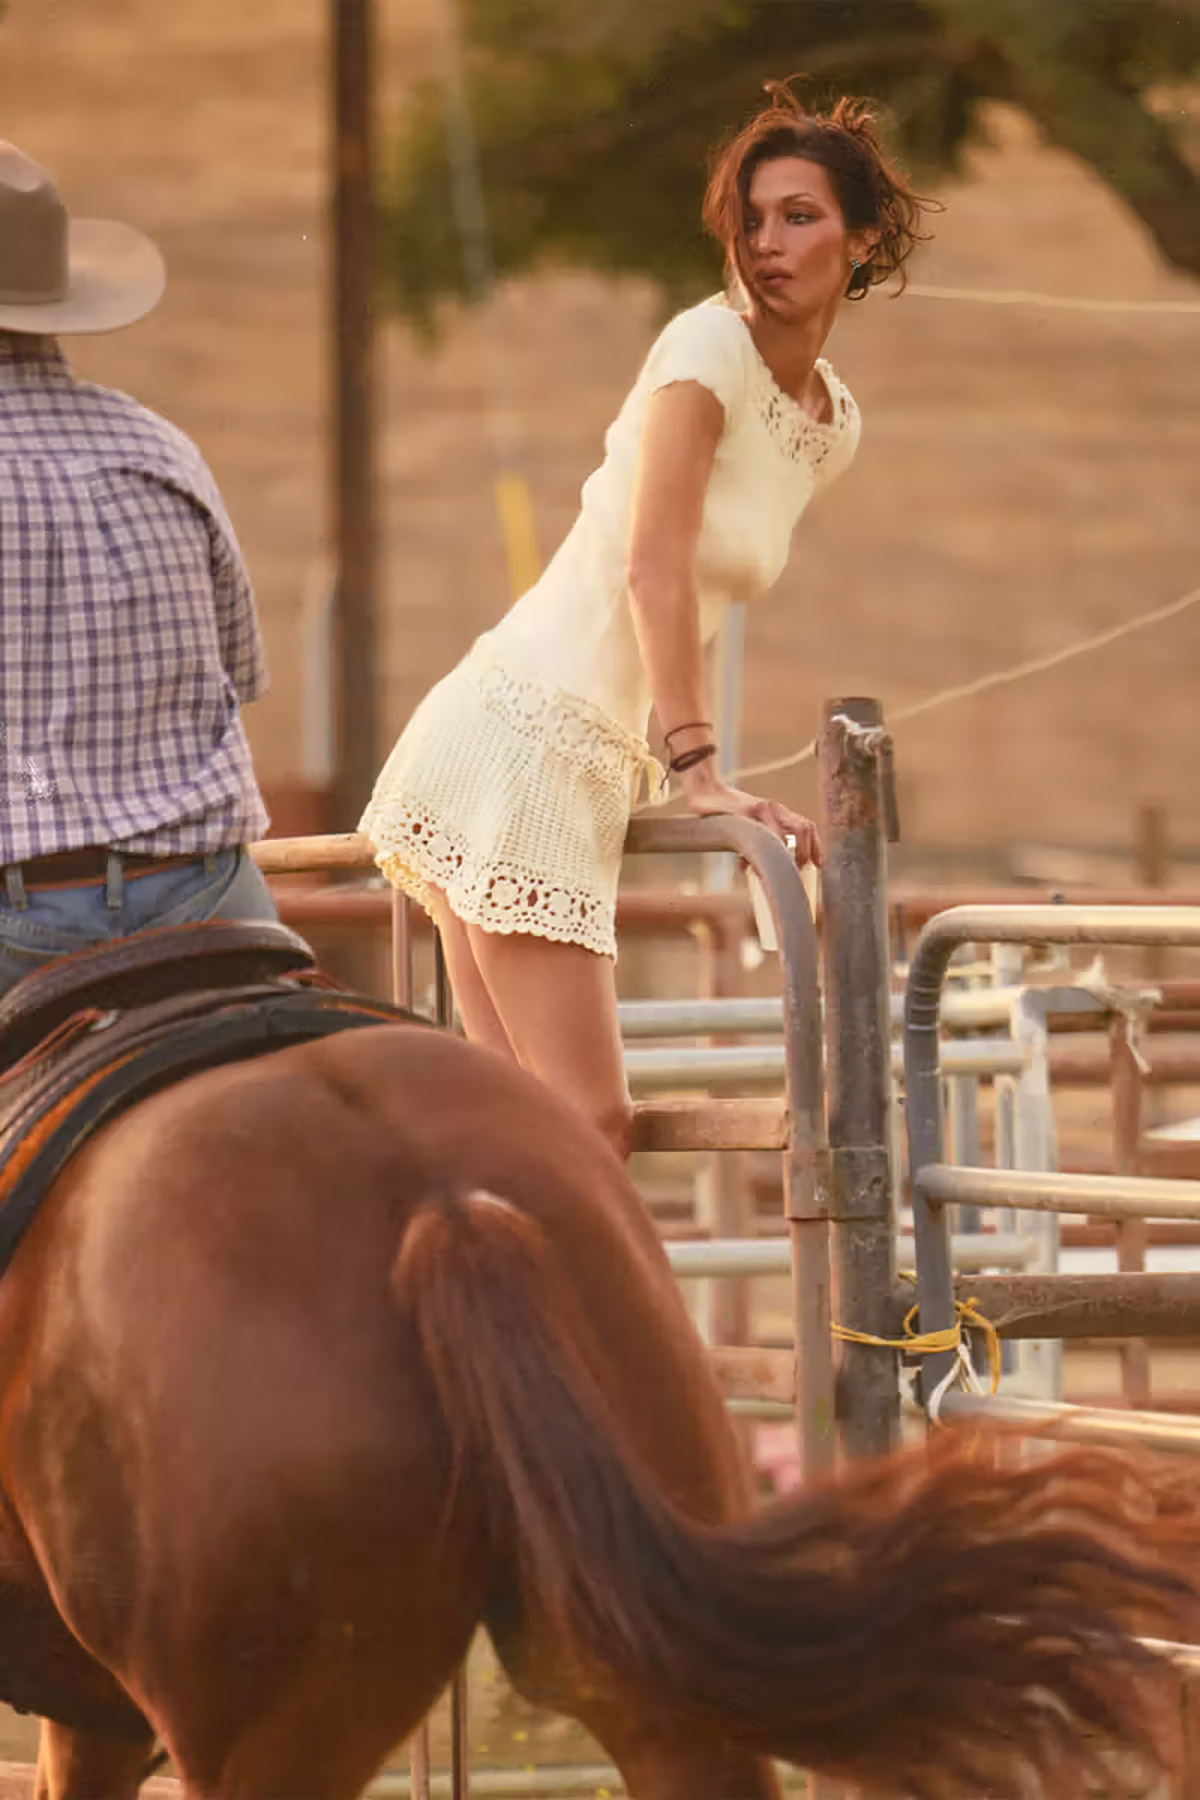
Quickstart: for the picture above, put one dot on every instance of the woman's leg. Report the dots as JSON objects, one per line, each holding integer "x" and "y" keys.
{"x": 481, "y": 1021}
{"x": 558, "y": 1004}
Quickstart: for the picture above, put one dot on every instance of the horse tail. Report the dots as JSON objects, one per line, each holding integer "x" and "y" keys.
{"x": 946, "y": 1620}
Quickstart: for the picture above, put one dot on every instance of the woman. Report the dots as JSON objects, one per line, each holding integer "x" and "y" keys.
{"x": 503, "y": 807}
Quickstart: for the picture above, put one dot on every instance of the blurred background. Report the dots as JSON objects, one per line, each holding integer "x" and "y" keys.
{"x": 1028, "y": 472}
{"x": 1029, "y": 475}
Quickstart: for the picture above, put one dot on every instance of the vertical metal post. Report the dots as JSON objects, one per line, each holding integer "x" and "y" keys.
{"x": 723, "y": 1199}
{"x": 1152, "y": 868}
{"x": 460, "y": 1774}
{"x": 1133, "y": 1235}
{"x": 443, "y": 996}
{"x": 1034, "y": 1145}
{"x": 418, "y": 1762}
{"x": 351, "y": 30}
{"x": 857, "y": 972}
{"x": 460, "y": 1770}
{"x": 402, "y": 973}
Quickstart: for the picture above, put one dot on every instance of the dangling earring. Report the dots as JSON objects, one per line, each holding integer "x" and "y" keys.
{"x": 855, "y": 266}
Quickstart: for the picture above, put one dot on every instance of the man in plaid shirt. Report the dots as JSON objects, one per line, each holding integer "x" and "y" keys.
{"x": 128, "y": 637}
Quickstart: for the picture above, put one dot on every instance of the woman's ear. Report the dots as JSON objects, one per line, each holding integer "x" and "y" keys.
{"x": 862, "y": 245}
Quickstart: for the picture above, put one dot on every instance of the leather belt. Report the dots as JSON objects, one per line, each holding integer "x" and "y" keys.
{"x": 65, "y": 867}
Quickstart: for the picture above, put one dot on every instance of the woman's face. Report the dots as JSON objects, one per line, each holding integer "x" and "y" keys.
{"x": 799, "y": 251}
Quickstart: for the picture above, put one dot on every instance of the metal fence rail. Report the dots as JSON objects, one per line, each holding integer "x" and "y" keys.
{"x": 764, "y": 1064}
{"x": 1107, "y": 1196}
{"x": 1085, "y": 1424}
{"x": 934, "y": 1182}
{"x": 697, "y": 1259}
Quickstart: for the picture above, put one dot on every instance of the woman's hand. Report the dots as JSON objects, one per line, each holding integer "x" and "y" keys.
{"x": 707, "y": 794}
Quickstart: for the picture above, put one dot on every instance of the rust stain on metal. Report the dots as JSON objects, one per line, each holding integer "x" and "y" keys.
{"x": 851, "y": 808}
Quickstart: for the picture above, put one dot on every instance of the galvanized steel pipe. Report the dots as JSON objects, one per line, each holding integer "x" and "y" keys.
{"x": 1104, "y": 1196}
{"x": 941, "y": 937}
{"x": 759, "y": 1064}
{"x": 1087, "y": 1424}
{"x": 694, "y": 1259}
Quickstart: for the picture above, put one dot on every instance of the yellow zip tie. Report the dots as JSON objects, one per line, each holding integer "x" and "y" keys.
{"x": 930, "y": 1343}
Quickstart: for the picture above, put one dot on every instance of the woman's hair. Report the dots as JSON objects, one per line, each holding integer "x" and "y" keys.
{"x": 870, "y": 190}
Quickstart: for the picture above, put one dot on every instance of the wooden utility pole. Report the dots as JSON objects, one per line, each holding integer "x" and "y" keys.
{"x": 353, "y": 385}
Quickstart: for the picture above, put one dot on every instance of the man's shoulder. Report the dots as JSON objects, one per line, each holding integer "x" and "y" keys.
{"x": 135, "y": 431}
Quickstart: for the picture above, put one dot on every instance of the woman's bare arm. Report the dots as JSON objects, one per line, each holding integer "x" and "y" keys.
{"x": 680, "y": 434}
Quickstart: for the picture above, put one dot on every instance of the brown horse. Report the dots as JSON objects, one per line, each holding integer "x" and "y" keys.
{"x": 310, "y": 1365}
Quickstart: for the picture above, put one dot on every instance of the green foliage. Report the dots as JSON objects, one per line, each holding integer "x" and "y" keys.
{"x": 594, "y": 119}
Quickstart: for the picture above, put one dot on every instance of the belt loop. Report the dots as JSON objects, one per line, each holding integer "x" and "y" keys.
{"x": 14, "y": 886}
{"x": 114, "y": 882}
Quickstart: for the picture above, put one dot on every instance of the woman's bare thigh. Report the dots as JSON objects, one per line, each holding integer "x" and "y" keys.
{"x": 481, "y": 1021}
{"x": 558, "y": 1007}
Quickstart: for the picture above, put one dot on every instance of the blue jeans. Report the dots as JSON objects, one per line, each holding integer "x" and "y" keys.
{"x": 55, "y": 921}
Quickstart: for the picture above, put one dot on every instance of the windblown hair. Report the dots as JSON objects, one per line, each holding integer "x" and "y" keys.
{"x": 871, "y": 192}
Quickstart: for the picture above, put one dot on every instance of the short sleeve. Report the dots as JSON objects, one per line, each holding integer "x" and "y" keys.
{"x": 706, "y": 344}
{"x": 845, "y": 445}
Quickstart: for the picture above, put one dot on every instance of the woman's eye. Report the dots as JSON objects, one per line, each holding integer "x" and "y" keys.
{"x": 799, "y": 218}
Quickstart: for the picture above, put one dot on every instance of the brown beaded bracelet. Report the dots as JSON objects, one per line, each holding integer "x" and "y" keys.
{"x": 691, "y": 725}
{"x": 689, "y": 758}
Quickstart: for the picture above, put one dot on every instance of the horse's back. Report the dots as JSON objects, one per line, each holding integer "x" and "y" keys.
{"x": 229, "y": 1447}
{"x": 223, "y": 1254}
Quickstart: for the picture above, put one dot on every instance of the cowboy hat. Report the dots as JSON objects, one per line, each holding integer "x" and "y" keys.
{"x": 59, "y": 274}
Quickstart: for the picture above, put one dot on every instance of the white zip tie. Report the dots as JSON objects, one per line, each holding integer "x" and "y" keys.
{"x": 868, "y": 738}
{"x": 962, "y": 1372}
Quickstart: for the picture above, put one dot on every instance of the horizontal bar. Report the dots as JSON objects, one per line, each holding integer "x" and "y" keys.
{"x": 335, "y": 850}
{"x": 758, "y": 1124}
{"x": 643, "y": 911}
{"x": 1171, "y": 1065}
{"x": 1136, "y": 925}
{"x": 751, "y": 1373}
{"x": 919, "y": 904}
{"x": 781, "y": 1411}
{"x": 700, "y": 1018}
{"x": 565, "y": 1779}
{"x": 1155, "y": 1303}
{"x": 700, "y": 1258}
{"x": 1102, "y": 1196}
{"x": 757, "y": 1064}
{"x": 743, "y": 1016}
{"x": 1080, "y": 1424}
{"x": 568, "y": 1780}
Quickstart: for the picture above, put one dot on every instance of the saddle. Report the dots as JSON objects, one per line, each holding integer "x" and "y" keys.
{"x": 88, "y": 1035}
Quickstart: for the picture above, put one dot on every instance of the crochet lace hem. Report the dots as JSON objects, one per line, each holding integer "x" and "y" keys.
{"x": 502, "y": 897}
{"x": 512, "y": 797}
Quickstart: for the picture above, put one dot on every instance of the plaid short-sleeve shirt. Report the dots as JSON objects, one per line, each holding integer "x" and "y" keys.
{"x": 128, "y": 637}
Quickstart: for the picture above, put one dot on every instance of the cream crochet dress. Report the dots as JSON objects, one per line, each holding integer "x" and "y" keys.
{"x": 510, "y": 789}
